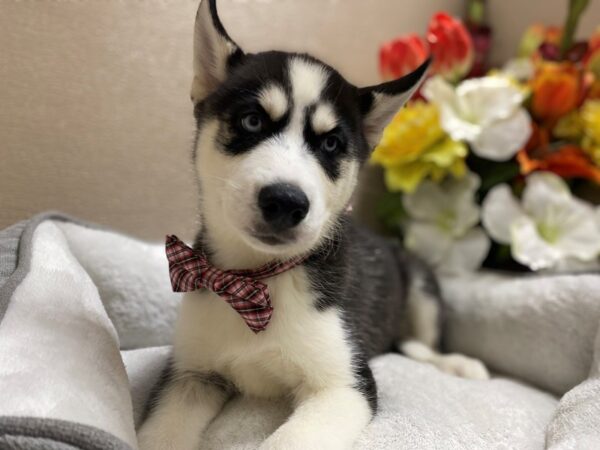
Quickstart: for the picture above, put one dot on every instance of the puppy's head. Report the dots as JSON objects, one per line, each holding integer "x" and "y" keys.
{"x": 281, "y": 138}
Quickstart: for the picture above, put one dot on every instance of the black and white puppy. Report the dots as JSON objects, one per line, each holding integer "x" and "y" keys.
{"x": 290, "y": 125}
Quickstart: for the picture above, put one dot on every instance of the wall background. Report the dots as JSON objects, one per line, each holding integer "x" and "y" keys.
{"x": 95, "y": 118}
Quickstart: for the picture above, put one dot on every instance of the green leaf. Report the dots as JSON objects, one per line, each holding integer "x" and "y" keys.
{"x": 492, "y": 173}
{"x": 390, "y": 211}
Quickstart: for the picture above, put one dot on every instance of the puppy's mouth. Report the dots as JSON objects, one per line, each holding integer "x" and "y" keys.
{"x": 272, "y": 238}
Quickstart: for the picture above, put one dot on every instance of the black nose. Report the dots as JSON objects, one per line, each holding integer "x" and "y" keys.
{"x": 283, "y": 205}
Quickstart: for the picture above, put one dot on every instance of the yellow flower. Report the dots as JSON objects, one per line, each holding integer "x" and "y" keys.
{"x": 590, "y": 115}
{"x": 415, "y": 147}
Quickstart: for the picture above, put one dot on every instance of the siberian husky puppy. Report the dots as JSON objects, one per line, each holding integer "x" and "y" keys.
{"x": 280, "y": 140}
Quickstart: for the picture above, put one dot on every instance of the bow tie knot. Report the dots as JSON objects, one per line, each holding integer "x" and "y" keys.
{"x": 190, "y": 270}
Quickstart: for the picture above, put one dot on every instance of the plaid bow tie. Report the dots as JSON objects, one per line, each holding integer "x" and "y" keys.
{"x": 190, "y": 271}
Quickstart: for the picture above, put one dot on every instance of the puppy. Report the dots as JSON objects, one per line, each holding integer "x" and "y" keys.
{"x": 280, "y": 141}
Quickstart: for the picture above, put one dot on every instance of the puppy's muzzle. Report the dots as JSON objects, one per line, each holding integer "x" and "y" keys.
{"x": 283, "y": 206}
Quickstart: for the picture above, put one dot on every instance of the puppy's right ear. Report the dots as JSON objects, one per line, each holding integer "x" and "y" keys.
{"x": 380, "y": 103}
{"x": 214, "y": 51}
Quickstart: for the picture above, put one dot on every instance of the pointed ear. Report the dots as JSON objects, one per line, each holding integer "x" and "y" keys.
{"x": 380, "y": 103}
{"x": 214, "y": 51}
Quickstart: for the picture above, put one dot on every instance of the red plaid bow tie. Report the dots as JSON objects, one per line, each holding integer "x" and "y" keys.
{"x": 190, "y": 271}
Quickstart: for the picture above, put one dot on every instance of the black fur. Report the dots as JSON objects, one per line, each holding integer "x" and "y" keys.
{"x": 367, "y": 278}
{"x": 358, "y": 272}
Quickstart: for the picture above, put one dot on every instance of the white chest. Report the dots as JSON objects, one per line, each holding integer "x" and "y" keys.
{"x": 301, "y": 348}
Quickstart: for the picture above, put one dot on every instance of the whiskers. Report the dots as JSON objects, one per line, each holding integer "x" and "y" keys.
{"x": 331, "y": 238}
{"x": 227, "y": 181}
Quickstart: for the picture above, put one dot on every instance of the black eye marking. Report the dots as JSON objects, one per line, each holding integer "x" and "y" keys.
{"x": 329, "y": 148}
{"x": 247, "y": 126}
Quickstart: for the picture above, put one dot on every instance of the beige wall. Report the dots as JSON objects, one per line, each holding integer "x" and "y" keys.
{"x": 94, "y": 112}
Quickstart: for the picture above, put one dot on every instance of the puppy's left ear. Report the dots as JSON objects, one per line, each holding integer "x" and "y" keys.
{"x": 380, "y": 103}
{"x": 214, "y": 51}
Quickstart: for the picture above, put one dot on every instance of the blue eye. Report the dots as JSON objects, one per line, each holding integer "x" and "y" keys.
{"x": 331, "y": 144}
{"x": 252, "y": 123}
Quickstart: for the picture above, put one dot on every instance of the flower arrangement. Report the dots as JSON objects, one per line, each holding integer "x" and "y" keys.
{"x": 497, "y": 168}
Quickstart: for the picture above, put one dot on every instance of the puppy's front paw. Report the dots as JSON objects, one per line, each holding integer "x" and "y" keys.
{"x": 149, "y": 439}
{"x": 152, "y": 438}
{"x": 300, "y": 441}
{"x": 462, "y": 366}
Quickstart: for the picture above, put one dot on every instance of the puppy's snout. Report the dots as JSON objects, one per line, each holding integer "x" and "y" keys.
{"x": 283, "y": 205}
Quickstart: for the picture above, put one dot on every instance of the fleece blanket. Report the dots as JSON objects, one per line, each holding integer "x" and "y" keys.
{"x": 86, "y": 316}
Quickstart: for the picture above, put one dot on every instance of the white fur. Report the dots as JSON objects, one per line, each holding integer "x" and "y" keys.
{"x": 308, "y": 81}
{"x": 424, "y": 311}
{"x": 424, "y": 314}
{"x": 274, "y": 101}
{"x": 324, "y": 118}
{"x": 230, "y": 189}
{"x": 186, "y": 409}
{"x": 454, "y": 364}
{"x": 329, "y": 419}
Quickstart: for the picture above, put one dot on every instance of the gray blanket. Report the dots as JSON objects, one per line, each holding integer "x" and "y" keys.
{"x": 85, "y": 315}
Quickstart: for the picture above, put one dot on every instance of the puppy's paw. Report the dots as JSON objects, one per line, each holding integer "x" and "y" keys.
{"x": 150, "y": 438}
{"x": 461, "y": 366}
{"x": 290, "y": 440}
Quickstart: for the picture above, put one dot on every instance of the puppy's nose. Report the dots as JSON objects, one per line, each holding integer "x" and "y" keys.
{"x": 283, "y": 205}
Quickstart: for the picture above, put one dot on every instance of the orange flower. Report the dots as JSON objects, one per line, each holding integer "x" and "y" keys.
{"x": 556, "y": 89}
{"x": 567, "y": 161}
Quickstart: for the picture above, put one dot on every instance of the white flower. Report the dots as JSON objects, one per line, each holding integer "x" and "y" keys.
{"x": 550, "y": 229}
{"x": 442, "y": 227}
{"x": 486, "y": 112}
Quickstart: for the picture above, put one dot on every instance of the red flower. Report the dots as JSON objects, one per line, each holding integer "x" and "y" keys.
{"x": 401, "y": 56}
{"x": 450, "y": 45}
{"x": 448, "y": 41}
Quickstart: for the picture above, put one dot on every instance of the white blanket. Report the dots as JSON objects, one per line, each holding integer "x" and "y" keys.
{"x": 83, "y": 313}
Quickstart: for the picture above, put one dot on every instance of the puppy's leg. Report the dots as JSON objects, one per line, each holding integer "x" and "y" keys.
{"x": 330, "y": 419}
{"x": 184, "y": 409}
{"x": 425, "y": 311}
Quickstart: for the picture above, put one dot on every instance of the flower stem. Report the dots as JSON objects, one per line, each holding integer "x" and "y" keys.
{"x": 576, "y": 8}
{"x": 475, "y": 12}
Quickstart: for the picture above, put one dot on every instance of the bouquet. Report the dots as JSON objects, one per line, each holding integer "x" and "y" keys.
{"x": 498, "y": 168}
